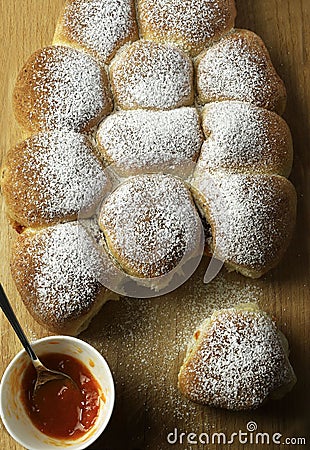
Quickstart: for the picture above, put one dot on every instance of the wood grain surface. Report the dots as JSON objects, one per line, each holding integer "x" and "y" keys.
{"x": 144, "y": 340}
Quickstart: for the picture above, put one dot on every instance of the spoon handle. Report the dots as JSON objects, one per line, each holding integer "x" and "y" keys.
{"x": 10, "y": 315}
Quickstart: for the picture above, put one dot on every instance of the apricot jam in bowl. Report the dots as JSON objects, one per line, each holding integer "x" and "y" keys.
{"x": 60, "y": 414}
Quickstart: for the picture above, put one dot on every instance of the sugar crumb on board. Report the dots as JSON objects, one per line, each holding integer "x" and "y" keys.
{"x": 153, "y": 335}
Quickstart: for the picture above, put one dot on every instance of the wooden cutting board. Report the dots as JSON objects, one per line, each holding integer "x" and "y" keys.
{"x": 144, "y": 340}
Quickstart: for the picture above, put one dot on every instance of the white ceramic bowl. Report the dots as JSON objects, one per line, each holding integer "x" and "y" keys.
{"x": 13, "y": 414}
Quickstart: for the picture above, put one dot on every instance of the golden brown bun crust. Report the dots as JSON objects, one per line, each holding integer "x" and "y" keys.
{"x": 236, "y": 360}
{"x": 99, "y": 27}
{"x": 243, "y": 138}
{"x": 46, "y": 179}
{"x": 191, "y": 24}
{"x": 252, "y": 218}
{"x": 56, "y": 271}
{"x": 60, "y": 87}
{"x": 238, "y": 67}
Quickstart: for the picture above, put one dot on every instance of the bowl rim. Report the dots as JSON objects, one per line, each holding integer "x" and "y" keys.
{"x": 93, "y": 437}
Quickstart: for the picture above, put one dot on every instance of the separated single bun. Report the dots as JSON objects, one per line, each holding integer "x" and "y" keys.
{"x": 236, "y": 360}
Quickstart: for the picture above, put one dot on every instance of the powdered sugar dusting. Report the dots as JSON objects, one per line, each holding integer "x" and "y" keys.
{"x": 243, "y": 137}
{"x": 101, "y": 26}
{"x": 150, "y": 224}
{"x": 239, "y": 361}
{"x": 146, "y": 141}
{"x": 65, "y": 271}
{"x": 55, "y": 175}
{"x": 190, "y": 23}
{"x": 145, "y": 372}
{"x": 68, "y": 89}
{"x": 152, "y": 76}
{"x": 251, "y": 216}
{"x": 70, "y": 92}
{"x": 238, "y": 67}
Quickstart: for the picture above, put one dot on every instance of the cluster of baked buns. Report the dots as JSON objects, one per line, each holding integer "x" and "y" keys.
{"x": 142, "y": 115}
